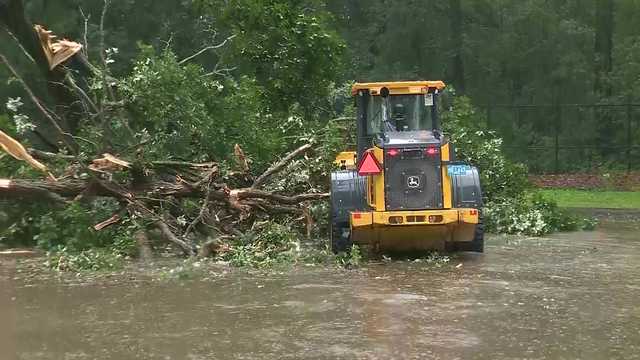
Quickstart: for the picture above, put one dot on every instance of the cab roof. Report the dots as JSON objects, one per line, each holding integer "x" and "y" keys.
{"x": 398, "y": 87}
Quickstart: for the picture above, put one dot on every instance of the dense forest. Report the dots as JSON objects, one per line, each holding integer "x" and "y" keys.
{"x": 515, "y": 53}
{"x": 494, "y": 51}
{"x": 239, "y": 83}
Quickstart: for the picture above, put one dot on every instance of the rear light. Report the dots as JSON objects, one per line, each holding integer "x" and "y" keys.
{"x": 393, "y": 152}
{"x": 395, "y": 220}
{"x": 431, "y": 151}
{"x": 357, "y": 216}
{"x": 369, "y": 165}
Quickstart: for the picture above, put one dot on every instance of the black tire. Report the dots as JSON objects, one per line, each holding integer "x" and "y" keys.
{"x": 340, "y": 237}
{"x": 476, "y": 245}
{"x": 339, "y": 231}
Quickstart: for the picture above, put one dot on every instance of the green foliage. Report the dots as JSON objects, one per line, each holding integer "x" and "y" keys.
{"x": 288, "y": 46}
{"x": 474, "y": 143}
{"x": 509, "y": 206}
{"x": 184, "y": 113}
{"x": 73, "y": 245}
{"x": 68, "y": 237}
{"x": 71, "y": 228}
{"x": 352, "y": 258}
{"x": 8, "y": 165}
{"x": 270, "y": 244}
{"x": 7, "y": 125}
{"x": 173, "y": 104}
{"x": 532, "y": 214}
{"x": 87, "y": 260}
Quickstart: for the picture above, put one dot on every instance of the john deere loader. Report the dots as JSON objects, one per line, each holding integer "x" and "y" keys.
{"x": 402, "y": 190}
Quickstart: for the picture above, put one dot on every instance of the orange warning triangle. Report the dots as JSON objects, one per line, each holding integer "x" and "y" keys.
{"x": 369, "y": 165}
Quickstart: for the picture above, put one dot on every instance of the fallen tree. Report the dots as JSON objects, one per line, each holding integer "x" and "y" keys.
{"x": 143, "y": 196}
{"x": 231, "y": 199}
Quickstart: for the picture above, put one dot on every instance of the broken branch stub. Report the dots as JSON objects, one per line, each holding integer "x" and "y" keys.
{"x": 56, "y": 51}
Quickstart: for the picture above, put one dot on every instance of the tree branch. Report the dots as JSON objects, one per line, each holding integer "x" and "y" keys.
{"x": 282, "y": 199}
{"x": 45, "y": 155}
{"x": 212, "y": 47}
{"x": 280, "y": 165}
{"x": 170, "y": 236}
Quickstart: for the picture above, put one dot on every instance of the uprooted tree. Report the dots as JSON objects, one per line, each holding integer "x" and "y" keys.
{"x": 94, "y": 159}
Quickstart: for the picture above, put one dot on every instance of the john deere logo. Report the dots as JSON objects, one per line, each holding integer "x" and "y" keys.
{"x": 413, "y": 182}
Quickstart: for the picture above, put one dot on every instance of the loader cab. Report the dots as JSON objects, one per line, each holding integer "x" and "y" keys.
{"x": 400, "y": 113}
{"x": 387, "y": 108}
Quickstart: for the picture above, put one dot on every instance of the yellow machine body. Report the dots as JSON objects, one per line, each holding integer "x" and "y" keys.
{"x": 411, "y": 230}
{"x": 384, "y": 230}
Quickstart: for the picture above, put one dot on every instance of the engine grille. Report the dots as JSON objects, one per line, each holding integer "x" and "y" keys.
{"x": 413, "y": 180}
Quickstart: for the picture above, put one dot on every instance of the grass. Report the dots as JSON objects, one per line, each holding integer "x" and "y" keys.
{"x": 594, "y": 199}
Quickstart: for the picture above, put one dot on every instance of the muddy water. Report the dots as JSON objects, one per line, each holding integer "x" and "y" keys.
{"x": 564, "y": 297}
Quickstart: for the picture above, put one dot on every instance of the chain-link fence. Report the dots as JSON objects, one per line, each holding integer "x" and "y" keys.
{"x": 564, "y": 138}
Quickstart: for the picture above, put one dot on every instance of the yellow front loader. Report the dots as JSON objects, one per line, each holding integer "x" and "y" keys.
{"x": 402, "y": 190}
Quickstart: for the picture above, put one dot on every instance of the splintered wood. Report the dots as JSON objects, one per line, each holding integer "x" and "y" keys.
{"x": 15, "y": 149}
{"x": 56, "y": 51}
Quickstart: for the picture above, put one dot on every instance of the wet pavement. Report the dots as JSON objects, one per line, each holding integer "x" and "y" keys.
{"x": 567, "y": 296}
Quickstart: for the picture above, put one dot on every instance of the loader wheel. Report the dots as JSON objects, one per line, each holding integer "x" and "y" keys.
{"x": 476, "y": 245}
{"x": 340, "y": 237}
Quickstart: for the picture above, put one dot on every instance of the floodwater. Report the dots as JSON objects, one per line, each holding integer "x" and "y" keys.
{"x": 568, "y": 296}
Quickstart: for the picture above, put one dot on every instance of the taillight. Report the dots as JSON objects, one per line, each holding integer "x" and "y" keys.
{"x": 431, "y": 151}
{"x": 369, "y": 165}
{"x": 393, "y": 152}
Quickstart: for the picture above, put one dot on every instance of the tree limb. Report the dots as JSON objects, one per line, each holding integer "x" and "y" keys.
{"x": 170, "y": 236}
{"x": 212, "y": 47}
{"x": 48, "y": 192}
{"x": 45, "y": 155}
{"x": 280, "y": 165}
{"x": 251, "y": 193}
{"x": 204, "y": 208}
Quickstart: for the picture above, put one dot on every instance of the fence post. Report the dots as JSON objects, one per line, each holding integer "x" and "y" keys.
{"x": 629, "y": 115}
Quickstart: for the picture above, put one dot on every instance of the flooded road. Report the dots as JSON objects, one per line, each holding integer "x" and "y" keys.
{"x": 568, "y": 296}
